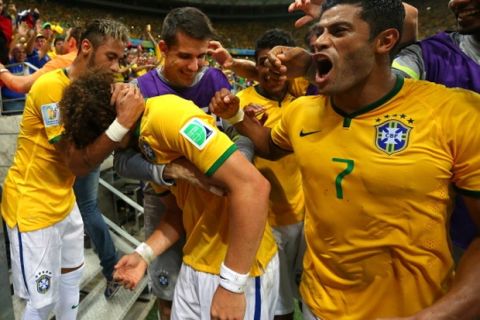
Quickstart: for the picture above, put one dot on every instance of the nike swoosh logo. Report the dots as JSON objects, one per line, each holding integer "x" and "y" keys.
{"x": 75, "y": 306}
{"x": 304, "y": 134}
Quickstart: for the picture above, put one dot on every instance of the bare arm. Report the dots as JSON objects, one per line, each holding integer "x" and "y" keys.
{"x": 131, "y": 268}
{"x": 17, "y": 83}
{"x": 247, "y": 192}
{"x": 242, "y": 67}
{"x": 226, "y": 105}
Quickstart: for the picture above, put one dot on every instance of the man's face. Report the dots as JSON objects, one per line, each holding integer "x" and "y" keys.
{"x": 107, "y": 55}
{"x": 344, "y": 54}
{"x": 467, "y": 13}
{"x": 40, "y": 42}
{"x": 270, "y": 85}
{"x": 184, "y": 59}
{"x": 19, "y": 55}
{"x": 59, "y": 47}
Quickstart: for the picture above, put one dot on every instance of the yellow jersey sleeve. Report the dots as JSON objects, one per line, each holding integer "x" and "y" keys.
{"x": 461, "y": 121}
{"x": 46, "y": 99}
{"x": 173, "y": 127}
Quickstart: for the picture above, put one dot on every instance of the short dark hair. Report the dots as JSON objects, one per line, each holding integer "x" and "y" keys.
{"x": 379, "y": 14}
{"x": 99, "y": 29}
{"x": 188, "y": 20}
{"x": 85, "y": 107}
{"x": 58, "y": 39}
{"x": 273, "y": 37}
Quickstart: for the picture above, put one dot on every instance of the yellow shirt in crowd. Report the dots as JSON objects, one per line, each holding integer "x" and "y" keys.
{"x": 287, "y": 204}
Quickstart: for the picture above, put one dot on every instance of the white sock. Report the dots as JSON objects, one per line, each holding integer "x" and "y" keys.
{"x": 31, "y": 313}
{"x": 69, "y": 295}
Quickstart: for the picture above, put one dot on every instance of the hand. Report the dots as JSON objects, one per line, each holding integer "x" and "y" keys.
{"x": 227, "y": 305}
{"x": 256, "y": 112}
{"x": 185, "y": 170}
{"x": 129, "y": 270}
{"x": 311, "y": 8}
{"x": 287, "y": 62}
{"x": 220, "y": 54}
{"x": 224, "y": 104}
{"x": 129, "y": 104}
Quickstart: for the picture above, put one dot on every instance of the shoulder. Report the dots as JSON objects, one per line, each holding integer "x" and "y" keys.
{"x": 170, "y": 104}
{"x": 52, "y": 79}
{"x": 440, "y": 99}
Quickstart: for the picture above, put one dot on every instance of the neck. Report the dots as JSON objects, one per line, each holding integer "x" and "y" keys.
{"x": 77, "y": 68}
{"x": 378, "y": 84}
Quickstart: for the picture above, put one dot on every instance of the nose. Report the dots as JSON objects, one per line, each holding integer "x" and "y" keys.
{"x": 323, "y": 41}
{"x": 115, "y": 67}
{"x": 194, "y": 65}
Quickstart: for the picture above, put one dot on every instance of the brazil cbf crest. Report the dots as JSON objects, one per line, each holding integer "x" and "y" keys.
{"x": 392, "y": 136}
{"x": 43, "y": 281}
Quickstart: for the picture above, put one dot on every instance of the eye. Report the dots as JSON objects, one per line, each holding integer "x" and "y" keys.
{"x": 338, "y": 31}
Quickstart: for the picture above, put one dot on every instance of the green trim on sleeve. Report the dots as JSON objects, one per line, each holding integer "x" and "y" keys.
{"x": 221, "y": 160}
{"x": 412, "y": 74}
{"x": 55, "y": 139}
{"x": 468, "y": 193}
{"x": 136, "y": 132}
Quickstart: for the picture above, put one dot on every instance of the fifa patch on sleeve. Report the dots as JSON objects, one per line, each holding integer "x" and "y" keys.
{"x": 50, "y": 114}
{"x": 198, "y": 133}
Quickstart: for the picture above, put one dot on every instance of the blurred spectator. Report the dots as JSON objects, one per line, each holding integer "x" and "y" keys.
{"x": 58, "y": 45}
{"x": 6, "y": 33}
{"x": 16, "y": 66}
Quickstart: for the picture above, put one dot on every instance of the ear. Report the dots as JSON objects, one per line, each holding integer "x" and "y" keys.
{"x": 85, "y": 46}
{"x": 72, "y": 43}
{"x": 163, "y": 46}
{"x": 387, "y": 40}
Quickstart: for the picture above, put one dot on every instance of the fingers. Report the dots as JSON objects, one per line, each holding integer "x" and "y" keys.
{"x": 303, "y": 21}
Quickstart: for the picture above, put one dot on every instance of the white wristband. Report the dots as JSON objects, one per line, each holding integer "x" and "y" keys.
{"x": 231, "y": 280}
{"x": 146, "y": 252}
{"x": 238, "y": 117}
{"x": 116, "y": 131}
{"x": 158, "y": 176}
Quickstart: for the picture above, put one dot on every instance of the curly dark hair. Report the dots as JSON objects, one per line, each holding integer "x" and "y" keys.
{"x": 85, "y": 107}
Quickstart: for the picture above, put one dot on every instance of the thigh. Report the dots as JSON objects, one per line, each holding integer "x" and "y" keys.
{"x": 36, "y": 265}
{"x": 71, "y": 232}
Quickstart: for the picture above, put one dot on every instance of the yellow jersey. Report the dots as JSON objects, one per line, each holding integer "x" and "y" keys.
{"x": 376, "y": 185}
{"x": 173, "y": 127}
{"x": 37, "y": 192}
{"x": 287, "y": 204}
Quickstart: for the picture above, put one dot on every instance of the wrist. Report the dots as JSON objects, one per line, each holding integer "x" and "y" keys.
{"x": 146, "y": 252}
{"x": 116, "y": 131}
{"x": 238, "y": 117}
{"x": 231, "y": 280}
